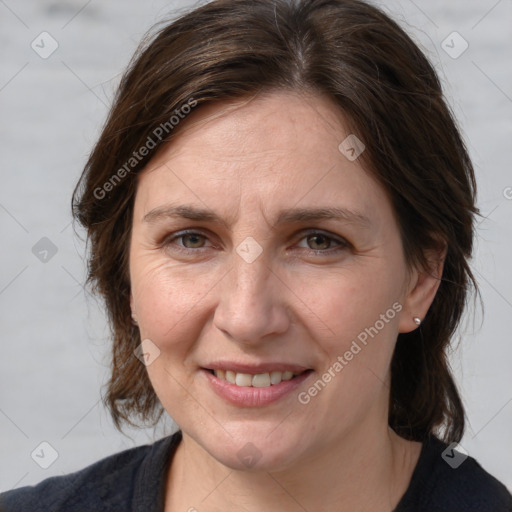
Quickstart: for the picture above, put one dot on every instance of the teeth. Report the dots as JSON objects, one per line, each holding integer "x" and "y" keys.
{"x": 230, "y": 376}
{"x": 276, "y": 377}
{"x": 243, "y": 379}
{"x": 260, "y": 380}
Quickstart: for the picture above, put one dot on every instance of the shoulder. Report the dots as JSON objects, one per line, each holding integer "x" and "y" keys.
{"x": 107, "y": 485}
{"x": 446, "y": 480}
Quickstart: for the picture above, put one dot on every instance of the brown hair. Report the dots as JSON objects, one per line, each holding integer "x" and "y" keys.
{"x": 357, "y": 56}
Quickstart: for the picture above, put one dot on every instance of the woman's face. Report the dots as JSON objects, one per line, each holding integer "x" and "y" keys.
{"x": 259, "y": 248}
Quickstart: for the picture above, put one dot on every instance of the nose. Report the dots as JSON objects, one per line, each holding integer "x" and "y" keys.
{"x": 252, "y": 304}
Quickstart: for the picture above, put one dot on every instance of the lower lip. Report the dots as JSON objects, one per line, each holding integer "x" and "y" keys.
{"x": 247, "y": 396}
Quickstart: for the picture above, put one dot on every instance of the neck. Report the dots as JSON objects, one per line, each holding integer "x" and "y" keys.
{"x": 367, "y": 470}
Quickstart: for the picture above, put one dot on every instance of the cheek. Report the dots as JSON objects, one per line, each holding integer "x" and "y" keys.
{"x": 356, "y": 329}
{"x": 168, "y": 298}
{"x": 342, "y": 304}
{"x": 359, "y": 314}
{"x": 170, "y": 304}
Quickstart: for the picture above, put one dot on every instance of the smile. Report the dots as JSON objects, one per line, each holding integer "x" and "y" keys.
{"x": 259, "y": 389}
{"x": 259, "y": 380}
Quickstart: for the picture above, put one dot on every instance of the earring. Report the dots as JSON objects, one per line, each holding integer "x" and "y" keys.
{"x": 134, "y": 320}
{"x": 417, "y": 320}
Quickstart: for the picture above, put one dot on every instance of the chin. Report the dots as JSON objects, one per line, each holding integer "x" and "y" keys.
{"x": 253, "y": 459}
{"x": 256, "y": 448}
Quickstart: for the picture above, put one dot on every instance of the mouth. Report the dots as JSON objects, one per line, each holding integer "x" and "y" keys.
{"x": 242, "y": 387}
{"x": 255, "y": 380}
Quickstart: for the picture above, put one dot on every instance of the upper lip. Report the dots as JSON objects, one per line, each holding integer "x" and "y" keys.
{"x": 255, "y": 368}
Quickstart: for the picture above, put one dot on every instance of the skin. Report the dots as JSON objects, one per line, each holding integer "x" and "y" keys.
{"x": 246, "y": 161}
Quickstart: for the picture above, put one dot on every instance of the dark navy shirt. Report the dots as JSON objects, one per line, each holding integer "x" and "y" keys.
{"x": 134, "y": 481}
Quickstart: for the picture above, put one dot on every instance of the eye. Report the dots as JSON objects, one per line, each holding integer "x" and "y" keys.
{"x": 190, "y": 240}
{"x": 321, "y": 243}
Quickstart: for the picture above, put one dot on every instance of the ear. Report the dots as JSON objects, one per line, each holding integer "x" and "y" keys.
{"x": 422, "y": 289}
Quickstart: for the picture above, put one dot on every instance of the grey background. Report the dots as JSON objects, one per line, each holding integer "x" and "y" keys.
{"x": 54, "y": 340}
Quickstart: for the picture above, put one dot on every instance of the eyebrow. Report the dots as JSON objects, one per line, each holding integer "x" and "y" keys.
{"x": 287, "y": 216}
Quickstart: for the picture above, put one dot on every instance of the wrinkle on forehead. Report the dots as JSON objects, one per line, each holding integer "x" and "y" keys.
{"x": 236, "y": 124}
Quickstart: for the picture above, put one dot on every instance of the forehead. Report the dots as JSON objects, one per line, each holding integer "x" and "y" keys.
{"x": 273, "y": 149}
{"x": 277, "y": 121}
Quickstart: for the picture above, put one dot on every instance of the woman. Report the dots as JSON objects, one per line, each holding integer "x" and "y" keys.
{"x": 280, "y": 211}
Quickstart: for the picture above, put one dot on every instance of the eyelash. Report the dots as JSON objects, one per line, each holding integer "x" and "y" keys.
{"x": 342, "y": 244}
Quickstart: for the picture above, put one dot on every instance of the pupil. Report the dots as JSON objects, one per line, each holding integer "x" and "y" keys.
{"x": 316, "y": 237}
{"x": 194, "y": 239}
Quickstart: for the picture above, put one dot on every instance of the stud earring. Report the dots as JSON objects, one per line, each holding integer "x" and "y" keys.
{"x": 134, "y": 320}
{"x": 417, "y": 320}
